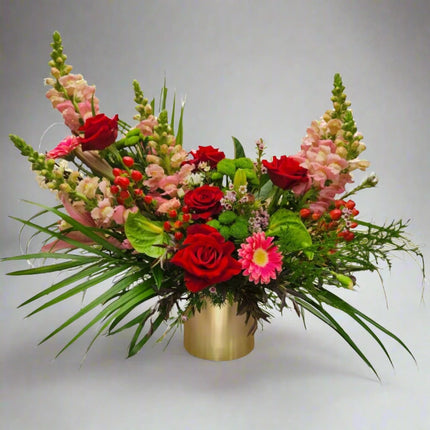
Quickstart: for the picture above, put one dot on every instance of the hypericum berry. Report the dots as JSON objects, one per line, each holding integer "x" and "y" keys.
{"x": 136, "y": 175}
{"x": 116, "y": 171}
{"x": 186, "y": 217}
{"x": 348, "y": 236}
{"x": 335, "y": 214}
{"x": 148, "y": 200}
{"x": 122, "y": 181}
{"x": 172, "y": 213}
{"x": 355, "y": 212}
{"x": 316, "y": 216}
{"x": 167, "y": 227}
{"x": 128, "y": 161}
{"x": 138, "y": 192}
{"x": 305, "y": 212}
{"x": 124, "y": 195}
{"x": 339, "y": 203}
{"x": 114, "y": 189}
{"x": 178, "y": 236}
{"x": 185, "y": 209}
{"x": 350, "y": 204}
{"x": 177, "y": 224}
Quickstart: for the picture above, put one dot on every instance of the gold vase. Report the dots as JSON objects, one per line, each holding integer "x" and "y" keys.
{"x": 217, "y": 333}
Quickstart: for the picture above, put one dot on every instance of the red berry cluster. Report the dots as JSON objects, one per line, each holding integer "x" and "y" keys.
{"x": 339, "y": 218}
{"x": 178, "y": 221}
{"x": 127, "y": 184}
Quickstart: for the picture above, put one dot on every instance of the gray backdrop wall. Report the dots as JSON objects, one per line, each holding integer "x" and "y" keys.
{"x": 249, "y": 69}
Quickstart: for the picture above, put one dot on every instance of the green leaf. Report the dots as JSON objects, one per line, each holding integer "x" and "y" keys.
{"x": 81, "y": 287}
{"x": 157, "y": 273}
{"x": 48, "y": 255}
{"x": 117, "y": 287}
{"x": 317, "y": 310}
{"x": 238, "y": 148}
{"x": 137, "y": 320}
{"x": 136, "y": 347}
{"x": 292, "y": 232}
{"x": 335, "y": 301}
{"x": 172, "y": 118}
{"x": 180, "y": 133}
{"x": 49, "y": 268}
{"x": 92, "y": 233}
{"x": 146, "y": 236}
{"x": 88, "y": 271}
{"x": 128, "y": 296}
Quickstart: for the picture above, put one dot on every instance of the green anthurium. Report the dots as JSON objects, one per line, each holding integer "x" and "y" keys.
{"x": 289, "y": 227}
{"x": 146, "y": 236}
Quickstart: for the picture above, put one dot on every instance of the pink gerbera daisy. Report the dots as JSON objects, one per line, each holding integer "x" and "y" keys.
{"x": 260, "y": 258}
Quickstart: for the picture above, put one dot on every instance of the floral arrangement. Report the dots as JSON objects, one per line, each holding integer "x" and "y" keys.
{"x": 170, "y": 229}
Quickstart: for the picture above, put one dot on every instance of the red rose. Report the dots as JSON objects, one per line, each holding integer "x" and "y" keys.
{"x": 99, "y": 131}
{"x": 286, "y": 172}
{"x": 206, "y": 258}
{"x": 204, "y": 201}
{"x": 207, "y": 154}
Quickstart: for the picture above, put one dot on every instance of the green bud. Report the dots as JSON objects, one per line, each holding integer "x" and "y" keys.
{"x": 239, "y": 179}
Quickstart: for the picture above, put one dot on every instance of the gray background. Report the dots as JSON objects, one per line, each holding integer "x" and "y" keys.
{"x": 249, "y": 69}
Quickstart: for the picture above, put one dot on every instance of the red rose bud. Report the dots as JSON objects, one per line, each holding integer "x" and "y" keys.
{"x": 353, "y": 225}
{"x": 335, "y": 214}
{"x": 136, "y": 175}
{"x": 99, "y": 132}
{"x": 339, "y": 203}
{"x": 355, "y": 212}
{"x": 128, "y": 161}
{"x": 286, "y": 172}
{"x": 172, "y": 213}
{"x": 185, "y": 209}
{"x": 122, "y": 181}
{"x": 305, "y": 212}
{"x": 148, "y": 200}
{"x": 206, "y": 154}
{"x": 204, "y": 201}
{"x": 350, "y": 204}
{"x": 114, "y": 189}
{"x": 186, "y": 217}
{"x": 167, "y": 227}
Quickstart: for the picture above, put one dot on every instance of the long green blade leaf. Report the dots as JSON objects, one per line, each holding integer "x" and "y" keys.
{"x": 120, "y": 285}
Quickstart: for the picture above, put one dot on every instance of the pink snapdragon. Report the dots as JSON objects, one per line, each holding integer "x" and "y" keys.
{"x": 79, "y": 102}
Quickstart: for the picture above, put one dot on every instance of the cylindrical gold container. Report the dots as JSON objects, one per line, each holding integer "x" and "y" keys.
{"x": 217, "y": 333}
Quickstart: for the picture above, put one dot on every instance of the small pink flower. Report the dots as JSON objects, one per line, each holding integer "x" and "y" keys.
{"x": 65, "y": 147}
{"x": 260, "y": 258}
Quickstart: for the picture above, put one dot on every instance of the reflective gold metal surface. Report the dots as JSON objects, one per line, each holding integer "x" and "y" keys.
{"x": 217, "y": 333}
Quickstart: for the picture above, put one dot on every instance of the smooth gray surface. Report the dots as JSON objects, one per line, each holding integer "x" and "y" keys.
{"x": 249, "y": 69}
